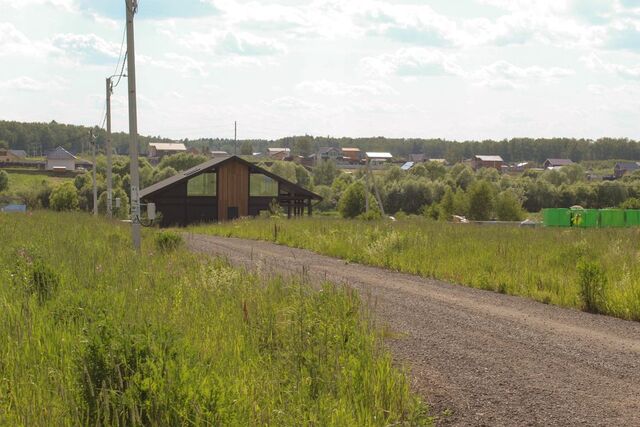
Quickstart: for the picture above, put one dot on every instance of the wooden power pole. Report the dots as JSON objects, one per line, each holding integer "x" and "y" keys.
{"x": 109, "y": 151}
{"x": 132, "y": 8}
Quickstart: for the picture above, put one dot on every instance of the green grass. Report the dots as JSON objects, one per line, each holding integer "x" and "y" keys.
{"x": 93, "y": 334}
{"x": 24, "y": 182}
{"x": 542, "y": 264}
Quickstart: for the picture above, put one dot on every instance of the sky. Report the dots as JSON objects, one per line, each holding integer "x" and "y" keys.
{"x": 454, "y": 69}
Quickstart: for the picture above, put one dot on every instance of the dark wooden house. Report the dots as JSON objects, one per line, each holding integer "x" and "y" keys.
{"x": 222, "y": 189}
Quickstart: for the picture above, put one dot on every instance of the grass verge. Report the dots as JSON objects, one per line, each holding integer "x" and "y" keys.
{"x": 93, "y": 334}
{"x": 542, "y": 264}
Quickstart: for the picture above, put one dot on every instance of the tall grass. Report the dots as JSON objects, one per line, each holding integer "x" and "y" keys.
{"x": 542, "y": 264}
{"x": 93, "y": 334}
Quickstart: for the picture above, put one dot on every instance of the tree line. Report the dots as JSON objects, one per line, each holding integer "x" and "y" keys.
{"x": 38, "y": 138}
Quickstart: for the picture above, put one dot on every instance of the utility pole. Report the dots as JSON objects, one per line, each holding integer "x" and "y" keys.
{"x": 235, "y": 138}
{"x": 109, "y": 150}
{"x": 92, "y": 141}
{"x": 132, "y": 8}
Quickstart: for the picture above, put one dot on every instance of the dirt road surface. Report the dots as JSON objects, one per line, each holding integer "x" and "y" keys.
{"x": 490, "y": 359}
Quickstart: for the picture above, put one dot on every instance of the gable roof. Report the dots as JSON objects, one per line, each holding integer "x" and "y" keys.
{"x": 559, "y": 162}
{"x": 324, "y": 150}
{"x": 201, "y": 168}
{"x": 354, "y": 150}
{"x": 168, "y": 146}
{"x": 483, "y": 158}
{"x": 60, "y": 154}
{"x": 378, "y": 155}
{"x": 19, "y": 153}
{"x": 628, "y": 166}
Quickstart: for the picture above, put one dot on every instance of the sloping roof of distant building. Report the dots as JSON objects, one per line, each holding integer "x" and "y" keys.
{"x": 559, "y": 162}
{"x": 628, "y": 166}
{"x": 378, "y": 155}
{"x": 168, "y": 146}
{"x": 347, "y": 149}
{"x": 279, "y": 150}
{"x": 60, "y": 154}
{"x": 484, "y": 158}
{"x": 19, "y": 153}
{"x": 407, "y": 166}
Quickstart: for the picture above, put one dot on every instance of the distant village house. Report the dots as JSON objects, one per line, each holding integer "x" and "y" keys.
{"x": 623, "y": 168}
{"x": 352, "y": 155}
{"x": 279, "y": 153}
{"x": 482, "y": 161}
{"x": 12, "y": 156}
{"x": 225, "y": 188}
{"x": 556, "y": 163}
{"x": 158, "y": 150}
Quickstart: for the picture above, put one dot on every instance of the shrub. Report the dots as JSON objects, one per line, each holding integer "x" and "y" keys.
{"x": 64, "y": 198}
{"x": 593, "y": 282}
{"x": 481, "y": 201}
{"x": 4, "y": 180}
{"x": 508, "y": 207}
{"x": 167, "y": 241}
{"x": 352, "y": 203}
{"x": 34, "y": 275}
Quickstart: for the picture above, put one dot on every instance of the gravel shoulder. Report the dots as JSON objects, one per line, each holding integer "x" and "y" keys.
{"x": 489, "y": 359}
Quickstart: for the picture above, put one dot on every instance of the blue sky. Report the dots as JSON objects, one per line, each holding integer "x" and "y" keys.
{"x": 463, "y": 69}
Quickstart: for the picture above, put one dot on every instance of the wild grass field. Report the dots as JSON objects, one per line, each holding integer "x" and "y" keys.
{"x": 93, "y": 334}
{"x": 593, "y": 270}
{"x": 23, "y": 182}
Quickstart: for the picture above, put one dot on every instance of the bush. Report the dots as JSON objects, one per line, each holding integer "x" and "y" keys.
{"x": 4, "y": 180}
{"x": 352, "y": 203}
{"x": 64, "y": 198}
{"x": 481, "y": 201}
{"x": 593, "y": 283}
{"x": 167, "y": 241}
{"x": 35, "y": 276}
{"x": 508, "y": 207}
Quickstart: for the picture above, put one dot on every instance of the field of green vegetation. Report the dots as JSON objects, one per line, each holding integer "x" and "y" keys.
{"x": 592, "y": 270}
{"x": 20, "y": 183}
{"x": 93, "y": 334}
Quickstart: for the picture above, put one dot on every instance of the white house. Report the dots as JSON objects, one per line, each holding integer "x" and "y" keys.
{"x": 61, "y": 159}
{"x": 376, "y": 158}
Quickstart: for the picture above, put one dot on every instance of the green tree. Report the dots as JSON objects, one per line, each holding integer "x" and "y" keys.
{"x": 123, "y": 211}
{"x": 325, "y": 173}
{"x": 352, "y": 203}
{"x": 162, "y": 174}
{"x": 328, "y": 202}
{"x": 631, "y": 203}
{"x": 4, "y": 180}
{"x": 182, "y": 161}
{"x": 481, "y": 201}
{"x": 246, "y": 149}
{"x": 303, "y": 177}
{"x": 508, "y": 207}
{"x": 4, "y": 145}
{"x": 64, "y": 198}
{"x": 286, "y": 170}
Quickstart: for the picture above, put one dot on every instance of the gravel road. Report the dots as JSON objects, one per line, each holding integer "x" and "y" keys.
{"x": 488, "y": 359}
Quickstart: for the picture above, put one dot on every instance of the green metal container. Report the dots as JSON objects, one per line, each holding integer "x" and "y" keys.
{"x": 556, "y": 217}
{"x": 585, "y": 218}
{"x": 610, "y": 218}
{"x": 632, "y": 217}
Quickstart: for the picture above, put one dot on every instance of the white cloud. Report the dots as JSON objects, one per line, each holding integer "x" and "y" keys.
{"x": 86, "y": 48}
{"x": 25, "y": 83}
{"x": 183, "y": 64}
{"x": 594, "y": 62}
{"x": 332, "y": 88}
{"x": 233, "y": 44}
{"x": 504, "y": 75}
{"x": 14, "y": 42}
{"x": 412, "y": 62}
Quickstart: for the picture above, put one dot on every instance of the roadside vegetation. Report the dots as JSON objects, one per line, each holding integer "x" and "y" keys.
{"x": 592, "y": 270}
{"x": 93, "y": 334}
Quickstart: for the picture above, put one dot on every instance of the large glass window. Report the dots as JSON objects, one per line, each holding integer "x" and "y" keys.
{"x": 202, "y": 185}
{"x": 262, "y": 186}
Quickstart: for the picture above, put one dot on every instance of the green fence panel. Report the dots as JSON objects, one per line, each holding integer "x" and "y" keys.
{"x": 610, "y": 218}
{"x": 556, "y": 217}
{"x": 585, "y": 218}
{"x": 632, "y": 217}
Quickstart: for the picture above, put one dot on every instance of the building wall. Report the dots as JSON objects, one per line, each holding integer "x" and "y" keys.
{"x": 233, "y": 189}
{"x": 69, "y": 164}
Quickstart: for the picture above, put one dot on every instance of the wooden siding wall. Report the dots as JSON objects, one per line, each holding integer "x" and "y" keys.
{"x": 233, "y": 189}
